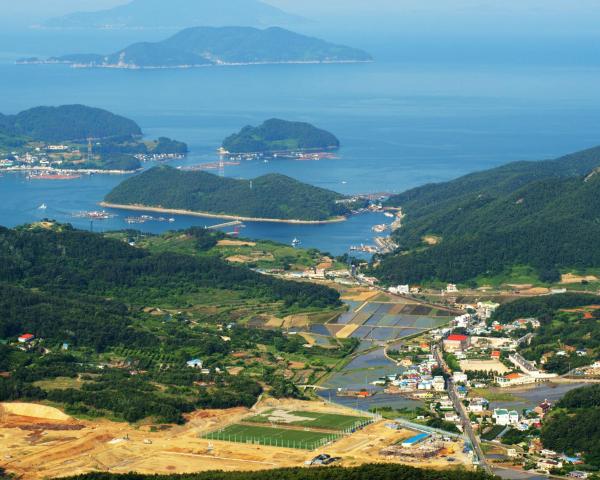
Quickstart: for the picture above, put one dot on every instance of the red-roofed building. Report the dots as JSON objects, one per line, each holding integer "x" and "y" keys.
{"x": 495, "y": 354}
{"x": 456, "y": 342}
{"x": 26, "y": 338}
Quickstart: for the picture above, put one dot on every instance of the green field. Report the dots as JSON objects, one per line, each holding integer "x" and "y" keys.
{"x": 273, "y": 436}
{"x": 327, "y": 421}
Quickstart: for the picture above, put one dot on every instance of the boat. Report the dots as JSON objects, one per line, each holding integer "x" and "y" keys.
{"x": 296, "y": 242}
{"x": 43, "y": 206}
{"x": 389, "y": 215}
{"x": 380, "y": 228}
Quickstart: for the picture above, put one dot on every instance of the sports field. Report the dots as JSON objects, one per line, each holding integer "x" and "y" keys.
{"x": 326, "y": 421}
{"x": 273, "y": 436}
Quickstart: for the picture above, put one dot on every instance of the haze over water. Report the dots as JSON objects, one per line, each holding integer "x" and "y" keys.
{"x": 423, "y": 112}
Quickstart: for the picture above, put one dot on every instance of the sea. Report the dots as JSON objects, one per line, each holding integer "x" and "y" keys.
{"x": 418, "y": 114}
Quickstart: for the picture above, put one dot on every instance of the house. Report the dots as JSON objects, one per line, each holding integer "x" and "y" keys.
{"x": 195, "y": 363}
{"x": 478, "y": 405}
{"x": 547, "y": 464}
{"x": 460, "y": 377}
{"x": 451, "y": 288}
{"x": 439, "y": 384}
{"x": 495, "y": 355}
{"x": 26, "y": 338}
{"x": 400, "y": 290}
{"x": 446, "y": 404}
{"x": 454, "y": 343}
{"x": 513, "y": 379}
{"x": 486, "y": 309}
{"x": 451, "y": 417}
{"x": 505, "y": 417}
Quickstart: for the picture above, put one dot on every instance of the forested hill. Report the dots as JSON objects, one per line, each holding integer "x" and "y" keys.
{"x": 372, "y": 472}
{"x": 271, "y": 196}
{"x": 277, "y": 135}
{"x": 572, "y": 427}
{"x": 68, "y": 123}
{"x": 61, "y": 259}
{"x": 543, "y": 215}
{"x": 200, "y": 46}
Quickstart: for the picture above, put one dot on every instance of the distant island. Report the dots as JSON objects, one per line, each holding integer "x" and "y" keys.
{"x": 76, "y": 138}
{"x": 270, "y": 198}
{"x": 177, "y": 14}
{"x": 280, "y": 136}
{"x": 210, "y": 46}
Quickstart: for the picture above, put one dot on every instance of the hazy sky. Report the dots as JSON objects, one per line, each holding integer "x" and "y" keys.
{"x": 530, "y": 16}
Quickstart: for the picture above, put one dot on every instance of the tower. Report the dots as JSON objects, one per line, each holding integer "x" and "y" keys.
{"x": 90, "y": 152}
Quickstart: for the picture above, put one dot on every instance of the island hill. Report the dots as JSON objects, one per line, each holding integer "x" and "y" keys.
{"x": 207, "y": 46}
{"x": 270, "y": 198}
{"x": 78, "y": 138}
{"x": 177, "y": 14}
{"x": 277, "y": 136}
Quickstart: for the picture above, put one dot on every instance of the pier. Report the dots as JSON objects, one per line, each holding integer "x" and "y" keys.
{"x": 235, "y": 223}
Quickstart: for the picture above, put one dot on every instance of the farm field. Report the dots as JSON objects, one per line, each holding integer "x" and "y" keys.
{"x": 273, "y": 436}
{"x": 326, "y": 421}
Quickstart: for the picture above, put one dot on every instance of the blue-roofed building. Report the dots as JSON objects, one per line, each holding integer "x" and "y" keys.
{"x": 195, "y": 363}
{"x": 412, "y": 441}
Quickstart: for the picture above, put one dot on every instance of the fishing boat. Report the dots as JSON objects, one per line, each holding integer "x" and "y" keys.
{"x": 296, "y": 242}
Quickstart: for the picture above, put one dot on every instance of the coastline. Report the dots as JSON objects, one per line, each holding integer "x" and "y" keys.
{"x": 82, "y": 171}
{"x": 190, "y": 213}
{"x": 118, "y": 66}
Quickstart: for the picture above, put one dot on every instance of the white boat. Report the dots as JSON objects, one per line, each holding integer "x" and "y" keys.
{"x": 389, "y": 215}
{"x": 43, "y": 206}
{"x": 296, "y": 242}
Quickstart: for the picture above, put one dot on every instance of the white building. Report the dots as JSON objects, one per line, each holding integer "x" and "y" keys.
{"x": 460, "y": 377}
{"x": 505, "y": 417}
{"x": 400, "y": 290}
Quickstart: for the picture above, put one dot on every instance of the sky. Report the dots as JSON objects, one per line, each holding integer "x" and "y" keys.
{"x": 531, "y": 17}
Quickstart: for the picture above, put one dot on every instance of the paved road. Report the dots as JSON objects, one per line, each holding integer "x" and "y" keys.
{"x": 462, "y": 412}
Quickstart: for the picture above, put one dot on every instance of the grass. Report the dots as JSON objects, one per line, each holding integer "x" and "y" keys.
{"x": 493, "y": 432}
{"x": 272, "y": 436}
{"x": 59, "y": 383}
{"x": 328, "y": 421}
{"x": 493, "y": 395}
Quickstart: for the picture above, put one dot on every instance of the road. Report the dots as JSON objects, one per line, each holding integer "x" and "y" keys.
{"x": 462, "y": 412}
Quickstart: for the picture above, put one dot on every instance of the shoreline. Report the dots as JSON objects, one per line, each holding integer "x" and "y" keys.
{"x": 190, "y": 213}
{"x": 118, "y": 66}
{"x": 67, "y": 171}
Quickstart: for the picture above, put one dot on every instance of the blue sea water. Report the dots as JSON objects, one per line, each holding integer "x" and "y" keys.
{"x": 402, "y": 122}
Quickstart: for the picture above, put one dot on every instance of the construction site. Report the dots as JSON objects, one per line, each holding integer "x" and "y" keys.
{"x": 38, "y": 441}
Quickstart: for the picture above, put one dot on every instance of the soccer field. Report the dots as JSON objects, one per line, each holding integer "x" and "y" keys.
{"x": 327, "y": 421}
{"x": 273, "y": 436}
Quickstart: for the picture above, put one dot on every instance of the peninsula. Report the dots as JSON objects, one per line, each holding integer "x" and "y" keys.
{"x": 76, "y": 138}
{"x": 210, "y": 46}
{"x": 280, "y": 136}
{"x": 270, "y": 198}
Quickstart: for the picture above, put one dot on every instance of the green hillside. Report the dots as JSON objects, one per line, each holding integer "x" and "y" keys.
{"x": 68, "y": 123}
{"x": 538, "y": 214}
{"x": 279, "y": 135}
{"x": 120, "y": 309}
{"x": 572, "y": 427}
{"x": 372, "y": 472}
{"x": 201, "y": 46}
{"x": 270, "y": 196}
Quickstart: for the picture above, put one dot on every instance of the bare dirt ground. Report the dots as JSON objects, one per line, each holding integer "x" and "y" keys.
{"x": 235, "y": 243}
{"x": 37, "y": 448}
{"x": 484, "y": 365}
{"x": 570, "y": 278}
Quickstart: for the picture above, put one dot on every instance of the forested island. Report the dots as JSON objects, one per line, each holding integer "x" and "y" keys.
{"x": 114, "y": 326}
{"x": 209, "y": 46}
{"x": 271, "y": 197}
{"x": 542, "y": 215}
{"x": 78, "y": 137}
{"x": 280, "y": 136}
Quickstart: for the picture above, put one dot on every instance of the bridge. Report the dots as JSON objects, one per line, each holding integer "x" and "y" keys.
{"x": 235, "y": 223}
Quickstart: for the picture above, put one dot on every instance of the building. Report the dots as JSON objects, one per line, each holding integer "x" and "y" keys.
{"x": 439, "y": 384}
{"x": 505, "y": 417}
{"x": 195, "y": 363}
{"x": 400, "y": 290}
{"x": 26, "y": 338}
{"x": 451, "y": 288}
{"x": 454, "y": 343}
{"x": 412, "y": 441}
{"x": 486, "y": 309}
{"x": 460, "y": 377}
{"x": 478, "y": 405}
